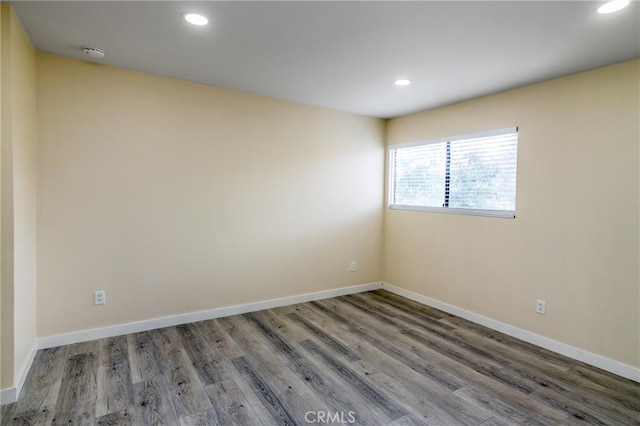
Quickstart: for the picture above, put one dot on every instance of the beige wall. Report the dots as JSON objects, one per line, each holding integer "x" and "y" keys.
{"x": 575, "y": 240}
{"x": 6, "y": 290}
{"x": 176, "y": 197}
{"x": 18, "y": 197}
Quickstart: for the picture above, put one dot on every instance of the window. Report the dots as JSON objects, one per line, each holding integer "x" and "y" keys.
{"x": 471, "y": 174}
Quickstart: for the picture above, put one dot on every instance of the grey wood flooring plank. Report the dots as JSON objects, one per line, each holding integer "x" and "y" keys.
{"x": 144, "y": 361}
{"x": 218, "y": 339}
{"x": 206, "y": 418}
{"x": 269, "y": 398}
{"x": 370, "y": 325}
{"x": 606, "y": 379}
{"x": 326, "y": 309}
{"x": 260, "y": 414}
{"x": 6, "y": 413}
{"x": 284, "y": 310}
{"x": 528, "y": 366}
{"x": 184, "y": 385}
{"x": 619, "y": 390}
{"x": 543, "y": 356}
{"x": 503, "y": 409}
{"x": 153, "y": 404}
{"x": 281, "y": 325}
{"x": 576, "y": 414}
{"x": 549, "y": 357}
{"x": 322, "y": 321}
{"x": 441, "y": 340}
{"x": 407, "y": 420}
{"x": 417, "y": 377}
{"x": 431, "y": 395}
{"x": 204, "y": 359}
{"x": 118, "y": 418}
{"x": 589, "y": 410}
{"x": 253, "y": 342}
{"x": 479, "y": 364}
{"x": 582, "y": 391}
{"x": 399, "y": 310}
{"x": 413, "y": 305}
{"x": 443, "y": 404}
{"x": 271, "y": 360}
{"x": 92, "y": 346}
{"x": 36, "y": 417}
{"x": 377, "y": 397}
{"x": 465, "y": 376}
{"x": 402, "y": 322}
{"x": 77, "y": 397}
{"x": 417, "y": 384}
{"x": 114, "y": 377}
{"x": 43, "y": 381}
{"x": 499, "y": 422}
{"x": 416, "y": 400}
{"x": 382, "y": 340}
{"x": 326, "y": 357}
{"x": 628, "y": 402}
{"x": 279, "y": 343}
{"x": 230, "y": 404}
{"x": 496, "y": 393}
{"x": 574, "y": 421}
{"x": 326, "y": 387}
{"x": 332, "y": 343}
{"x": 364, "y": 367}
{"x": 510, "y": 353}
{"x": 407, "y": 306}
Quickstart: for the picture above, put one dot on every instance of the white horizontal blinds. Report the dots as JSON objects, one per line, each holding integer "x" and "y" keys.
{"x": 471, "y": 172}
{"x": 483, "y": 173}
{"x": 419, "y": 175}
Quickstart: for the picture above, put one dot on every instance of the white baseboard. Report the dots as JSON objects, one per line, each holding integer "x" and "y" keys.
{"x": 9, "y": 395}
{"x": 152, "y": 324}
{"x": 615, "y": 367}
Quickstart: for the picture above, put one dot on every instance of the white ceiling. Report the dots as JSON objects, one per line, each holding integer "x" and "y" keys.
{"x": 345, "y": 55}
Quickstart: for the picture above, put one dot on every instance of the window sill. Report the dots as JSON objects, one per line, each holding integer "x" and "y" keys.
{"x": 505, "y": 214}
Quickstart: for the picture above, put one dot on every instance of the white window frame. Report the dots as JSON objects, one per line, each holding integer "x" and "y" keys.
{"x": 509, "y": 214}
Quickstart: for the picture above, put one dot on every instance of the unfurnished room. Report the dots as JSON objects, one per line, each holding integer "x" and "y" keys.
{"x": 320, "y": 212}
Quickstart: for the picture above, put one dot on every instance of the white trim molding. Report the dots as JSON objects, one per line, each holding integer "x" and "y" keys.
{"x": 152, "y": 324}
{"x": 612, "y": 366}
{"x": 9, "y": 395}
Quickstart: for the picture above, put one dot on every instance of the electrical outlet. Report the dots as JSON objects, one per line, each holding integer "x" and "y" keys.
{"x": 353, "y": 266}
{"x": 541, "y": 305}
{"x": 100, "y": 297}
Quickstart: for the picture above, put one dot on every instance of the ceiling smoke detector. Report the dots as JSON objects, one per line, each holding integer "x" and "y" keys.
{"x": 94, "y": 52}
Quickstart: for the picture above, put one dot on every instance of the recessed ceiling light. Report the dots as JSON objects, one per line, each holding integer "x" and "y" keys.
{"x": 195, "y": 19}
{"x": 402, "y": 82}
{"x": 613, "y": 6}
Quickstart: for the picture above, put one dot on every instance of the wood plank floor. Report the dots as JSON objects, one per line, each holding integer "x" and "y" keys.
{"x": 372, "y": 358}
